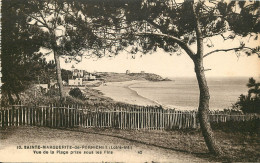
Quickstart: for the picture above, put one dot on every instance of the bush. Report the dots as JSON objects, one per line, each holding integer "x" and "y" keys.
{"x": 53, "y": 92}
{"x": 251, "y": 126}
{"x": 250, "y": 103}
{"x": 76, "y": 92}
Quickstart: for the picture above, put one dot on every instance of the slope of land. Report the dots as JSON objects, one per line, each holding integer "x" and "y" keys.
{"x": 119, "y": 77}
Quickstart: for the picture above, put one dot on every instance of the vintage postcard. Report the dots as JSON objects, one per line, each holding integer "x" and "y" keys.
{"x": 130, "y": 81}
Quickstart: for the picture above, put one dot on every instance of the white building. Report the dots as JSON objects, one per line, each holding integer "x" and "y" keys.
{"x": 127, "y": 72}
{"x": 76, "y": 81}
{"x": 78, "y": 73}
{"x": 91, "y": 77}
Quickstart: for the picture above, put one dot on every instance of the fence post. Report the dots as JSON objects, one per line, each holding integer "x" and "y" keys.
{"x": 194, "y": 119}
{"x": 131, "y": 118}
{"x": 1, "y": 120}
{"x": 141, "y": 118}
{"x": 3, "y": 117}
{"x": 180, "y": 124}
{"x": 11, "y": 116}
{"x": 36, "y": 115}
{"x": 63, "y": 116}
{"x": 69, "y": 116}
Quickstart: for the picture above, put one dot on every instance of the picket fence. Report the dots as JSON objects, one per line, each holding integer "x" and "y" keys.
{"x": 149, "y": 118}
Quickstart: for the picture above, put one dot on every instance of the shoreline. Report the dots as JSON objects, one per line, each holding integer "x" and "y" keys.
{"x": 136, "y": 92}
{"x": 158, "y": 103}
{"x": 121, "y": 91}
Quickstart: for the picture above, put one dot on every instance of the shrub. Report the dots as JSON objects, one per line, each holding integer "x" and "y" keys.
{"x": 76, "y": 92}
{"x": 251, "y": 126}
{"x": 53, "y": 92}
{"x": 250, "y": 103}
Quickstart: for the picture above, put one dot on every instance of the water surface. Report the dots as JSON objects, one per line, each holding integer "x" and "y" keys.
{"x": 183, "y": 93}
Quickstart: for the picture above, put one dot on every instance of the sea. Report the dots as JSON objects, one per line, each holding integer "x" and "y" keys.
{"x": 183, "y": 93}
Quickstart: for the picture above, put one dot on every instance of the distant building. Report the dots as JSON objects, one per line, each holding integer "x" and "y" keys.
{"x": 80, "y": 77}
{"x": 91, "y": 77}
{"x": 78, "y": 73}
{"x": 76, "y": 82}
{"x": 71, "y": 81}
{"x": 142, "y": 72}
{"x": 127, "y": 72}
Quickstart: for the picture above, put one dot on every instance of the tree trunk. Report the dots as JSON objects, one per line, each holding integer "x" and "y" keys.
{"x": 11, "y": 100}
{"x": 59, "y": 79}
{"x": 204, "y": 109}
{"x": 17, "y": 98}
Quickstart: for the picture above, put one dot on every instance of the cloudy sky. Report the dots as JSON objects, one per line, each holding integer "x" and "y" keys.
{"x": 222, "y": 64}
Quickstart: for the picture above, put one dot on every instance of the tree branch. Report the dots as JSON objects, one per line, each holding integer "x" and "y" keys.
{"x": 156, "y": 26}
{"x": 180, "y": 42}
{"x": 226, "y": 50}
{"x": 46, "y": 24}
{"x": 35, "y": 18}
{"x": 198, "y": 33}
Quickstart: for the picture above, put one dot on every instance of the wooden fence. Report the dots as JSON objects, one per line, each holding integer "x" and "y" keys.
{"x": 149, "y": 118}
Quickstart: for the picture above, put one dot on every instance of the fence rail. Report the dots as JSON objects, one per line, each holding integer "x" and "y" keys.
{"x": 141, "y": 118}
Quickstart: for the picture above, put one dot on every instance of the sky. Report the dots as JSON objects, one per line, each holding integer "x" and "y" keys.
{"x": 222, "y": 64}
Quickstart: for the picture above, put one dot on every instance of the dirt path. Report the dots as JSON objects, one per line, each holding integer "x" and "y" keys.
{"x": 80, "y": 142}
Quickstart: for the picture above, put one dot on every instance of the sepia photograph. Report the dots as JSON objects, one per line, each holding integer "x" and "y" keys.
{"x": 130, "y": 81}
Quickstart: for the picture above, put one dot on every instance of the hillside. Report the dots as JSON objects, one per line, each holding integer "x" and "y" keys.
{"x": 120, "y": 77}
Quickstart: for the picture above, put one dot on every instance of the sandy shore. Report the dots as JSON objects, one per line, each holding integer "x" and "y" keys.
{"x": 120, "y": 91}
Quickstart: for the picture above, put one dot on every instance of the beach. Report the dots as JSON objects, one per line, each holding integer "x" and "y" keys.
{"x": 121, "y": 92}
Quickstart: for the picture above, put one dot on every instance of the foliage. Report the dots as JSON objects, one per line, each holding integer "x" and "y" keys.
{"x": 251, "y": 126}
{"x": 250, "y": 103}
{"x": 60, "y": 27}
{"x": 66, "y": 75}
{"x": 46, "y": 72}
{"x": 63, "y": 30}
{"x": 20, "y": 62}
{"x": 53, "y": 92}
{"x": 145, "y": 26}
{"x": 76, "y": 92}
